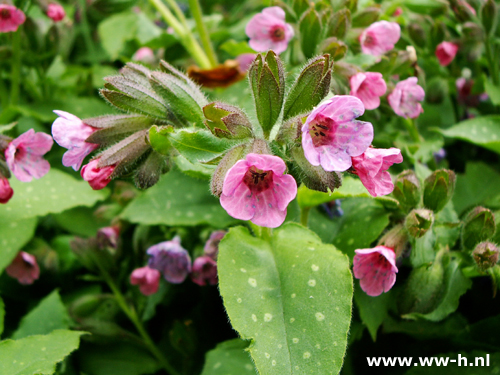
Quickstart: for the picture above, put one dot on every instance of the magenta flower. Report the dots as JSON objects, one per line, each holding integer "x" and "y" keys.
{"x": 171, "y": 259}
{"x": 256, "y": 189}
{"x": 70, "y": 132}
{"x": 376, "y": 269}
{"x": 331, "y": 136}
{"x": 445, "y": 52}
{"x": 372, "y": 166}
{"x": 6, "y": 191}
{"x": 10, "y": 18}
{"x": 204, "y": 271}
{"x": 147, "y": 278}
{"x": 24, "y": 155}
{"x": 212, "y": 245}
{"x": 56, "y": 12}
{"x": 268, "y": 30}
{"x": 379, "y": 38}
{"x": 97, "y": 177}
{"x": 24, "y": 268}
{"x": 406, "y": 97}
{"x": 368, "y": 87}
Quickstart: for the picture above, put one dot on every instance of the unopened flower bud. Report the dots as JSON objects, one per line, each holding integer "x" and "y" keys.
{"x": 418, "y": 222}
{"x": 396, "y": 238}
{"x": 479, "y": 225}
{"x": 472, "y": 32}
{"x": 212, "y": 245}
{"x": 336, "y": 48}
{"x": 6, "y": 191}
{"x": 438, "y": 189}
{"x": 366, "y": 17}
{"x": 171, "y": 259}
{"x": 56, "y": 12}
{"x": 227, "y": 121}
{"x": 340, "y": 23}
{"x": 147, "y": 278}
{"x": 231, "y": 157}
{"x": 407, "y": 190}
{"x": 485, "y": 255}
{"x": 417, "y": 34}
{"x": 489, "y": 16}
{"x": 98, "y": 178}
{"x": 463, "y": 11}
{"x": 24, "y": 268}
{"x": 204, "y": 271}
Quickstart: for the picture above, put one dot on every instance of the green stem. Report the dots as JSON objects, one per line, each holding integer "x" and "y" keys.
{"x": 87, "y": 37}
{"x": 471, "y": 272}
{"x": 491, "y": 62}
{"x": 412, "y": 129}
{"x": 178, "y": 12}
{"x": 16, "y": 67}
{"x": 195, "y": 7}
{"x": 304, "y": 215}
{"x": 132, "y": 315}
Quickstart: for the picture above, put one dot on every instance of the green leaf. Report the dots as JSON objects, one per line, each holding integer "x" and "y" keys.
{"x": 177, "y": 200}
{"x": 13, "y": 236}
{"x": 492, "y": 91}
{"x": 372, "y": 310}
{"x": 116, "y": 30}
{"x": 80, "y": 221}
{"x": 2, "y": 315}
{"x": 37, "y": 354}
{"x": 310, "y": 32}
{"x": 291, "y": 297}
{"x": 482, "y": 131}
{"x": 50, "y": 314}
{"x": 235, "y": 48}
{"x": 55, "y": 192}
{"x": 427, "y": 7}
{"x": 229, "y": 358}
{"x": 158, "y": 137}
{"x": 423, "y": 249}
{"x": 197, "y": 170}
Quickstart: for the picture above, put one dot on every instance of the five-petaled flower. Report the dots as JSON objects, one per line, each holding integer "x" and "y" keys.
{"x": 331, "y": 135}
{"x": 376, "y": 269}
{"x": 171, "y": 259}
{"x": 147, "y": 278}
{"x": 406, "y": 97}
{"x": 379, "y": 38}
{"x": 10, "y": 18}
{"x": 268, "y": 30}
{"x": 368, "y": 87}
{"x": 24, "y": 268}
{"x": 97, "y": 177}
{"x": 256, "y": 189}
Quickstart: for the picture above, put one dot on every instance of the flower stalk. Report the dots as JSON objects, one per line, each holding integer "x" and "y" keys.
{"x": 195, "y": 7}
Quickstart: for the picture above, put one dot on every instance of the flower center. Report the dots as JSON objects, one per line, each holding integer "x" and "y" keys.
{"x": 322, "y": 131}
{"x": 277, "y": 33}
{"x": 258, "y": 180}
{"x": 369, "y": 40}
{"x": 5, "y": 14}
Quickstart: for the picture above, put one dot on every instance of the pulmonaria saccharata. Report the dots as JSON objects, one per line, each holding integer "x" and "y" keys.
{"x": 24, "y": 268}
{"x": 6, "y": 191}
{"x": 372, "y": 166}
{"x": 171, "y": 259}
{"x": 256, "y": 189}
{"x": 70, "y": 132}
{"x": 204, "y": 271}
{"x": 331, "y": 135}
{"x": 406, "y": 97}
{"x": 10, "y": 18}
{"x": 368, "y": 87}
{"x": 147, "y": 278}
{"x": 379, "y": 38}
{"x": 24, "y": 155}
{"x": 446, "y": 52}
{"x": 98, "y": 178}
{"x": 376, "y": 269}
{"x": 268, "y": 30}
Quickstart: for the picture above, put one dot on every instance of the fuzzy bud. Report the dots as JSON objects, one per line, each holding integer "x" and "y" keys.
{"x": 231, "y": 157}
{"x": 366, "y": 17}
{"x": 489, "y": 15}
{"x": 485, "y": 255}
{"x": 396, "y": 238}
{"x": 438, "y": 189}
{"x": 417, "y": 34}
{"x": 418, "y": 222}
{"x": 227, "y": 121}
{"x": 479, "y": 225}
{"x": 334, "y": 47}
{"x": 340, "y": 23}
{"x": 407, "y": 190}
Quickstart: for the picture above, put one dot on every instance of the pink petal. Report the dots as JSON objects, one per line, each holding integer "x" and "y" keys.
{"x": 241, "y": 204}
{"x": 267, "y": 213}
{"x": 285, "y": 190}
{"x": 267, "y": 163}
{"x": 234, "y": 176}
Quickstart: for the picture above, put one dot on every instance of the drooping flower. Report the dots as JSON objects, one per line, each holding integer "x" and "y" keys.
{"x": 368, "y": 87}
{"x": 212, "y": 245}
{"x": 204, "y": 271}
{"x": 406, "y": 97}
{"x": 108, "y": 237}
{"x": 331, "y": 135}
{"x": 147, "y": 278}
{"x": 24, "y": 268}
{"x": 70, "y": 132}
{"x": 372, "y": 166}
{"x": 171, "y": 259}
{"x": 55, "y": 12}
{"x": 256, "y": 189}
{"x": 376, "y": 269}
{"x": 445, "y": 52}
{"x": 10, "y": 18}
{"x": 24, "y": 155}
{"x": 144, "y": 54}
{"x": 97, "y": 177}
{"x": 6, "y": 191}
{"x": 268, "y": 30}
{"x": 379, "y": 38}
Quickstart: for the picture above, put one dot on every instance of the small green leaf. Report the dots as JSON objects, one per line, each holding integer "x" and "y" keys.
{"x": 372, "y": 310}
{"x": 158, "y": 137}
{"x": 310, "y": 32}
{"x": 115, "y": 30}
{"x": 13, "y": 236}
{"x": 229, "y": 358}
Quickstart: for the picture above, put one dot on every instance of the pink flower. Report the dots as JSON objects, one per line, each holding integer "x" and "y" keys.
{"x": 70, "y": 132}
{"x": 24, "y": 268}
{"x": 368, "y": 87}
{"x": 331, "y": 136}
{"x": 144, "y": 54}
{"x": 97, "y": 177}
{"x": 372, "y": 166}
{"x": 6, "y": 191}
{"x": 10, "y": 18}
{"x": 379, "y": 38}
{"x": 24, "y": 155}
{"x": 376, "y": 269}
{"x": 445, "y": 52}
{"x": 204, "y": 271}
{"x": 397, "y": 12}
{"x": 108, "y": 237}
{"x": 256, "y": 189}
{"x": 147, "y": 278}
{"x": 268, "y": 30}
{"x": 245, "y": 60}
{"x": 171, "y": 259}
{"x": 56, "y": 12}
{"x": 212, "y": 245}
{"x": 406, "y": 97}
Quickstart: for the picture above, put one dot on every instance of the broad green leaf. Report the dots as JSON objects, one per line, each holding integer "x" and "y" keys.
{"x": 37, "y": 354}
{"x": 229, "y": 358}
{"x": 423, "y": 249}
{"x": 492, "y": 91}
{"x": 13, "y": 236}
{"x": 487, "y": 365}
{"x": 177, "y": 200}
{"x": 50, "y": 314}
{"x": 116, "y": 30}
{"x": 197, "y": 170}
{"x": 53, "y": 193}
{"x": 2, "y": 315}
{"x": 372, "y": 310}
{"x": 482, "y": 131}
{"x": 80, "y": 221}
{"x": 235, "y": 48}
{"x": 291, "y": 296}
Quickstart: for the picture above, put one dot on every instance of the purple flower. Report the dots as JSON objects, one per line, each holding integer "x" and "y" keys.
{"x": 212, "y": 245}
{"x": 10, "y": 18}
{"x": 98, "y": 178}
{"x": 256, "y": 189}
{"x": 56, "y": 12}
{"x": 368, "y": 87}
{"x": 24, "y": 155}
{"x": 204, "y": 271}
{"x": 6, "y": 191}
{"x": 268, "y": 30}
{"x": 171, "y": 259}
{"x": 331, "y": 136}
{"x": 24, "y": 268}
{"x": 406, "y": 97}
{"x": 376, "y": 269}
{"x": 379, "y": 38}
{"x": 147, "y": 278}
{"x": 70, "y": 132}
{"x": 108, "y": 237}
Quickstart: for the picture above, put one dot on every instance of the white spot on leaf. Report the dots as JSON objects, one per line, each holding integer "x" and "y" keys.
{"x": 252, "y": 282}
{"x": 311, "y": 282}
